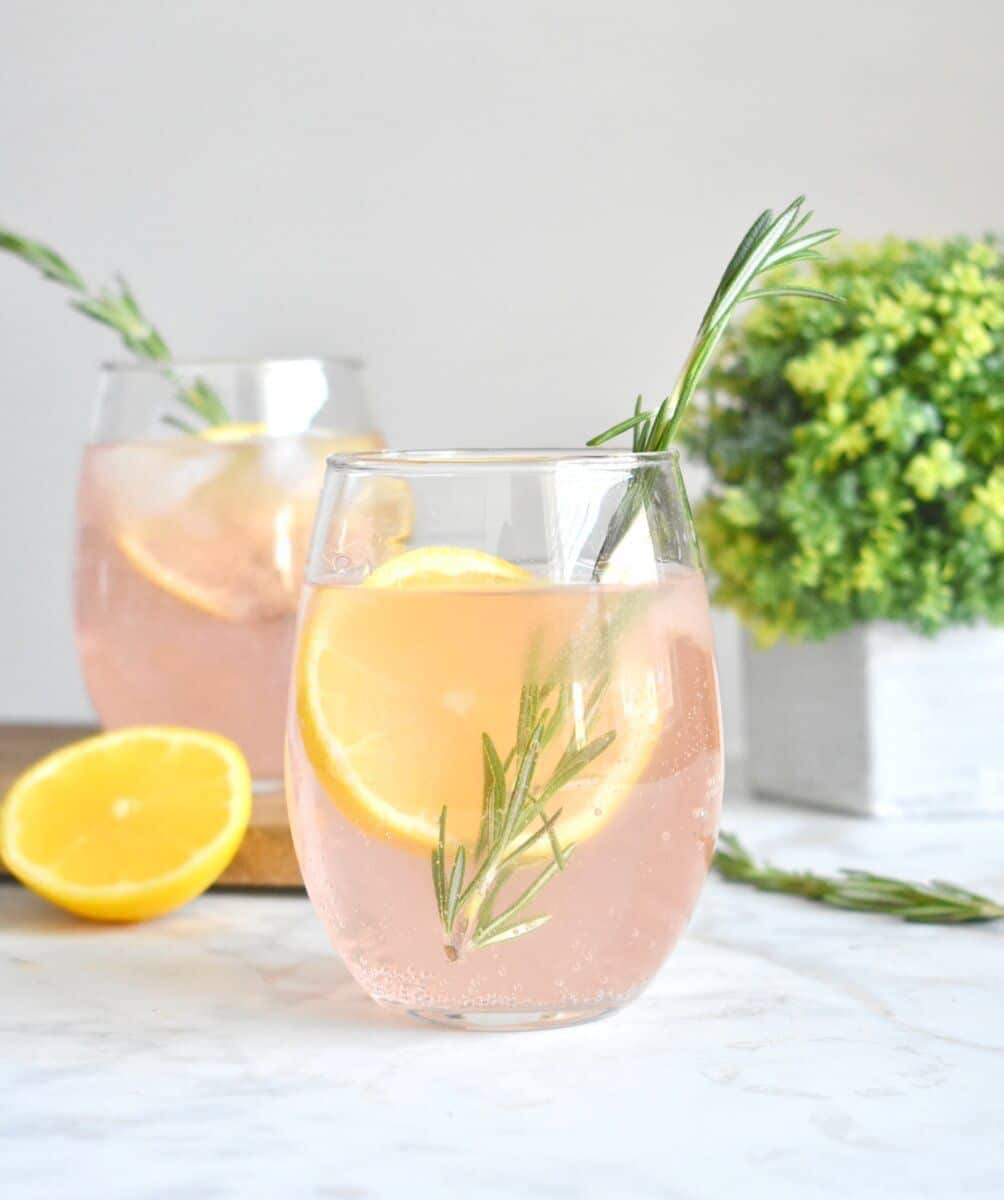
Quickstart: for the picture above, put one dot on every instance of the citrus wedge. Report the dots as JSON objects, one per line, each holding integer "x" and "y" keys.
{"x": 234, "y": 431}
{"x": 232, "y": 545}
{"x": 394, "y": 693}
{"x": 127, "y": 825}
{"x": 446, "y": 567}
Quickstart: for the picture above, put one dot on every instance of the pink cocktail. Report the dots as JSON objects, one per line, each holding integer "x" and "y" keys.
{"x": 505, "y": 770}
{"x": 191, "y": 545}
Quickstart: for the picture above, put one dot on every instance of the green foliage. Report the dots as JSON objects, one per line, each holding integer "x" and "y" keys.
{"x": 857, "y": 449}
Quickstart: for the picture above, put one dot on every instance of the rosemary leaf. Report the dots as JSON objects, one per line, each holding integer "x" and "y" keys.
{"x": 595, "y": 696}
{"x": 528, "y": 697}
{"x": 456, "y": 886}
{"x": 636, "y": 433}
{"x": 797, "y": 247}
{"x": 178, "y": 423}
{"x": 659, "y": 422}
{"x": 546, "y": 829}
{"x": 808, "y": 293}
{"x": 208, "y": 402}
{"x": 485, "y": 915}
{"x": 559, "y": 855}
{"x": 532, "y": 811}
{"x": 512, "y": 931}
{"x": 437, "y": 883}
{"x": 558, "y": 716}
{"x": 621, "y": 427}
{"x": 951, "y": 889}
{"x": 572, "y": 764}
{"x": 520, "y": 789}
{"x": 493, "y": 800}
{"x": 524, "y": 898}
{"x": 497, "y": 770}
{"x": 439, "y": 867}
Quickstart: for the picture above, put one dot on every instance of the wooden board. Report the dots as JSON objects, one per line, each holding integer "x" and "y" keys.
{"x": 265, "y": 858}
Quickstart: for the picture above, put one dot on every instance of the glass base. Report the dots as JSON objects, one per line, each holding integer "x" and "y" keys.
{"x": 486, "y": 1021}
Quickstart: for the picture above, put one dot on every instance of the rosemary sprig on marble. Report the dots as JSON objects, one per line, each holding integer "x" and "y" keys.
{"x": 936, "y": 903}
{"x": 116, "y": 306}
{"x": 517, "y": 814}
{"x": 769, "y": 243}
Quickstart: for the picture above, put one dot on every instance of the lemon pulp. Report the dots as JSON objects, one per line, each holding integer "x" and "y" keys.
{"x": 130, "y": 824}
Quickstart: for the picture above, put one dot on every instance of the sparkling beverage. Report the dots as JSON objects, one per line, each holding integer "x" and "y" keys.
{"x": 189, "y": 564}
{"x": 398, "y": 693}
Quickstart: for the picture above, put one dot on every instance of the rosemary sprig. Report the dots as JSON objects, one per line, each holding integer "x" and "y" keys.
{"x": 514, "y": 820}
{"x": 509, "y": 808}
{"x": 116, "y": 306}
{"x": 770, "y": 242}
{"x": 936, "y": 903}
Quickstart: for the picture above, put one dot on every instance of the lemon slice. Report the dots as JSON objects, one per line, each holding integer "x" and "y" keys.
{"x": 127, "y": 825}
{"x": 151, "y": 556}
{"x": 233, "y": 545}
{"x": 445, "y": 567}
{"x": 233, "y": 431}
{"x": 394, "y": 692}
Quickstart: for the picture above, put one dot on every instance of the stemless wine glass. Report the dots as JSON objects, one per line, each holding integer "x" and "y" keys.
{"x": 504, "y": 759}
{"x": 195, "y": 504}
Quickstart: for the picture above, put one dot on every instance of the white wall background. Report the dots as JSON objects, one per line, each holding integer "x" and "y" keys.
{"x": 514, "y": 211}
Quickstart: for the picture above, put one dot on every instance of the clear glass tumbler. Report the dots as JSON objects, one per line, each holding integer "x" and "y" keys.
{"x": 504, "y": 759}
{"x": 195, "y": 504}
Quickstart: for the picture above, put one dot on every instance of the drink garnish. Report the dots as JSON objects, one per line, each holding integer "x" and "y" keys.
{"x": 934, "y": 903}
{"x": 115, "y": 306}
{"x": 515, "y": 817}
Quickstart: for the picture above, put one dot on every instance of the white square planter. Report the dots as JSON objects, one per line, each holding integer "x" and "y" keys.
{"x": 880, "y": 721}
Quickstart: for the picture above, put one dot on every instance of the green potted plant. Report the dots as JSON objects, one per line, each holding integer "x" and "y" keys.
{"x": 855, "y": 523}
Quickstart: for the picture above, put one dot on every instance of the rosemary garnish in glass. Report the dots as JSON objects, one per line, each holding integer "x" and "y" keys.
{"x": 770, "y": 242}
{"x": 517, "y": 811}
{"x": 116, "y": 307}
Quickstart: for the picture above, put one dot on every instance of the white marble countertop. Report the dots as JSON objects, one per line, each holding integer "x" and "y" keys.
{"x": 784, "y": 1050}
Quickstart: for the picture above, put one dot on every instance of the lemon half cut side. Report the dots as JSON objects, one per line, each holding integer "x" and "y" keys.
{"x": 130, "y": 824}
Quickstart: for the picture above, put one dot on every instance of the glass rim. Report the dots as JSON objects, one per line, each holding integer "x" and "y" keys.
{"x": 395, "y": 462}
{"x": 122, "y": 366}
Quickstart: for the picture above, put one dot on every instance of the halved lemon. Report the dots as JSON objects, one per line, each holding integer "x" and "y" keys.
{"x": 127, "y": 825}
{"x": 397, "y": 681}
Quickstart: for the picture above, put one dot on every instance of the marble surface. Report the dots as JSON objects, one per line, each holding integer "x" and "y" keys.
{"x": 784, "y": 1050}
